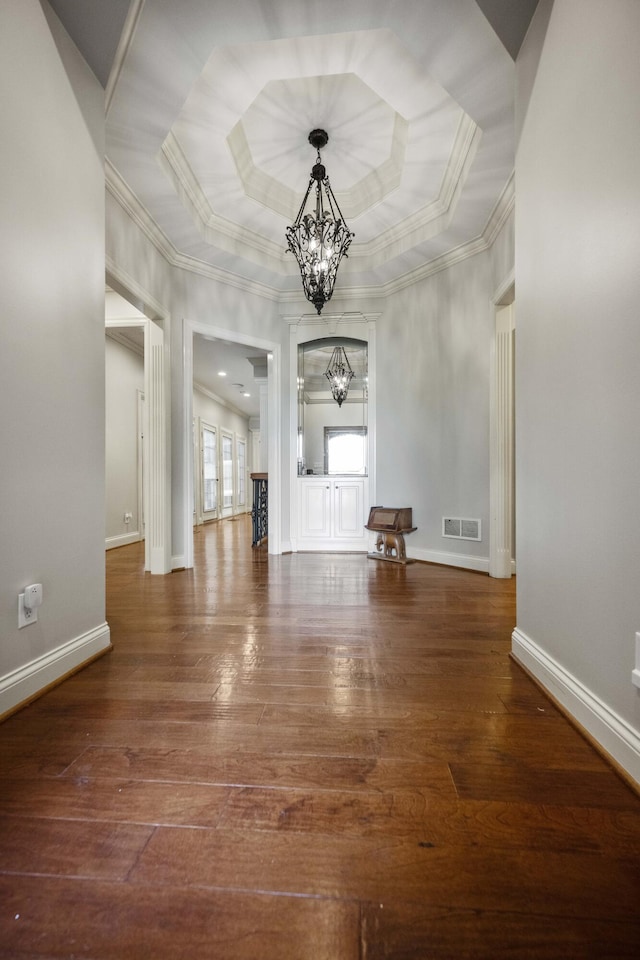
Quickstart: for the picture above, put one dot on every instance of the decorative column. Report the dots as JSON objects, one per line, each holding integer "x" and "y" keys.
{"x": 502, "y": 442}
{"x": 263, "y": 466}
{"x": 157, "y": 553}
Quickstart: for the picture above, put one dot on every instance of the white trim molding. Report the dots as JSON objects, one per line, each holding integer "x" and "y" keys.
{"x": 462, "y": 560}
{"x": 610, "y": 731}
{"x": 26, "y": 682}
{"x": 124, "y": 195}
{"x": 126, "y": 39}
{"x": 122, "y": 540}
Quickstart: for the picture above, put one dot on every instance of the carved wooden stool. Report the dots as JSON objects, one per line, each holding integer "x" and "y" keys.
{"x": 391, "y": 524}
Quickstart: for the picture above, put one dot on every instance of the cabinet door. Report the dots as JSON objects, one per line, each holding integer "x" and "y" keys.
{"x": 348, "y": 501}
{"x": 315, "y": 509}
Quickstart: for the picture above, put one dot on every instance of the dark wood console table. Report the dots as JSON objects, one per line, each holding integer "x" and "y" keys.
{"x": 260, "y": 510}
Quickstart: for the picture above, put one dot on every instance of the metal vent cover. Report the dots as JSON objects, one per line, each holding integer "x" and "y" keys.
{"x": 461, "y": 528}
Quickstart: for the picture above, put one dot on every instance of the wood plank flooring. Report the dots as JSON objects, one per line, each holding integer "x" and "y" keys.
{"x": 309, "y": 757}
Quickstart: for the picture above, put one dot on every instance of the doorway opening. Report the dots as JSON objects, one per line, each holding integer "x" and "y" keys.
{"x": 150, "y": 461}
{"x": 233, "y": 442}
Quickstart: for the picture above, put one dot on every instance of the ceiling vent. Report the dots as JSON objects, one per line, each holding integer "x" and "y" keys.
{"x": 461, "y": 528}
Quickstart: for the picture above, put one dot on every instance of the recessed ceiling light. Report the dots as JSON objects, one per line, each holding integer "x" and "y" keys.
{"x": 246, "y": 394}
{"x": 221, "y": 373}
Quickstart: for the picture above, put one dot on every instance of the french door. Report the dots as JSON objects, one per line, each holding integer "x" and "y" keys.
{"x": 226, "y": 449}
{"x": 210, "y": 483}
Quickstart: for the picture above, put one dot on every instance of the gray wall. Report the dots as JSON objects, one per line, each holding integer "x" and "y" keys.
{"x": 433, "y": 404}
{"x": 52, "y": 357}
{"x": 124, "y": 370}
{"x": 577, "y": 350}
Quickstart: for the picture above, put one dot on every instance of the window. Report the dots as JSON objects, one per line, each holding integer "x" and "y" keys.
{"x": 209, "y": 470}
{"x": 345, "y": 450}
{"x": 227, "y": 470}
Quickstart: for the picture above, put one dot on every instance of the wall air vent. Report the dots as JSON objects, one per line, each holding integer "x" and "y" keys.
{"x": 460, "y": 528}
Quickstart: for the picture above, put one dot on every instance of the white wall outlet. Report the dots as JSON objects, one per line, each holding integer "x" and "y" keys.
{"x": 128, "y": 517}
{"x": 635, "y": 674}
{"x": 26, "y": 615}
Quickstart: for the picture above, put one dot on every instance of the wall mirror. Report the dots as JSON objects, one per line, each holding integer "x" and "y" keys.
{"x": 332, "y": 439}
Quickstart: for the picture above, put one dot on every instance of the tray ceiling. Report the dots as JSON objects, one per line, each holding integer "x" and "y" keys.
{"x": 210, "y": 106}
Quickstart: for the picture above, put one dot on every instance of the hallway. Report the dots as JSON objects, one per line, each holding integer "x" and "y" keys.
{"x": 315, "y": 757}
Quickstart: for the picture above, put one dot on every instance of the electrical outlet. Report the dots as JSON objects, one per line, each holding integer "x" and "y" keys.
{"x": 26, "y": 615}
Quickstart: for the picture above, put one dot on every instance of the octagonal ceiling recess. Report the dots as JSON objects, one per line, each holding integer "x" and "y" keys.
{"x": 399, "y": 153}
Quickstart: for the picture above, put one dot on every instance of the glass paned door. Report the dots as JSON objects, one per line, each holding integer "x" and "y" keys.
{"x": 209, "y": 472}
{"x": 226, "y": 440}
{"x": 241, "y": 458}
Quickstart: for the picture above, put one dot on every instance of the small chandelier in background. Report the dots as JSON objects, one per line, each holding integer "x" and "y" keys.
{"x": 320, "y": 239}
{"x": 339, "y": 374}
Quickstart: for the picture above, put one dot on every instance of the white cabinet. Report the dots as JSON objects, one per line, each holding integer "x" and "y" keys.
{"x": 331, "y": 513}
{"x": 314, "y": 498}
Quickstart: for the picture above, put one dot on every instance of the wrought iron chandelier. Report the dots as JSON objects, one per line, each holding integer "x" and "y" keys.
{"x": 320, "y": 239}
{"x": 339, "y": 375}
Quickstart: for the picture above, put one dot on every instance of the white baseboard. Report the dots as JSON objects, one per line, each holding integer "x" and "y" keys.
{"x": 28, "y": 681}
{"x": 450, "y": 559}
{"x": 617, "y": 737}
{"x": 177, "y": 563}
{"x": 122, "y": 540}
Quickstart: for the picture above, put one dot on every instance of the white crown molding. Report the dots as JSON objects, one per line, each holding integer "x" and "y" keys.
{"x": 435, "y": 216}
{"x": 497, "y": 219}
{"x": 124, "y": 341}
{"x": 421, "y": 225}
{"x": 122, "y": 193}
{"x": 120, "y": 190}
{"x": 501, "y": 212}
{"x": 147, "y": 304}
{"x": 214, "y": 228}
{"x": 223, "y": 403}
{"x": 135, "y": 210}
{"x": 126, "y": 39}
{"x": 615, "y": 736}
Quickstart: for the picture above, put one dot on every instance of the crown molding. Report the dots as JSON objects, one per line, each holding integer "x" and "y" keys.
{"x": 214, "y": 228}
{"x": 139, "y": 215}
{"x": 145, "y": 302}
{"x": 501, "y": 212}
{"x": 416, "y": 228}
{"x": 223, "y": 403}
{"x": 126, "y": 198}
{"x": 124, "y": 341}
{"x": 126, "y": 39}
{"x": 431, "y": 219}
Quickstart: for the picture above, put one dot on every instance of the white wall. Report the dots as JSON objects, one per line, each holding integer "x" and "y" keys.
{"x": 52, "y": 356}
{"x": 124, "y": 371}
{"x": 433, "y": 347}
{"x": 578, "y": 344}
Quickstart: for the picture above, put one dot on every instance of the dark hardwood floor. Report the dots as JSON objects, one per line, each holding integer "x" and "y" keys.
{"x": 309, "y": 757}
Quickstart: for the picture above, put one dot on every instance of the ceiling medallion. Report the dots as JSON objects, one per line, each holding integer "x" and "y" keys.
{"x": 319, "y": 239}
